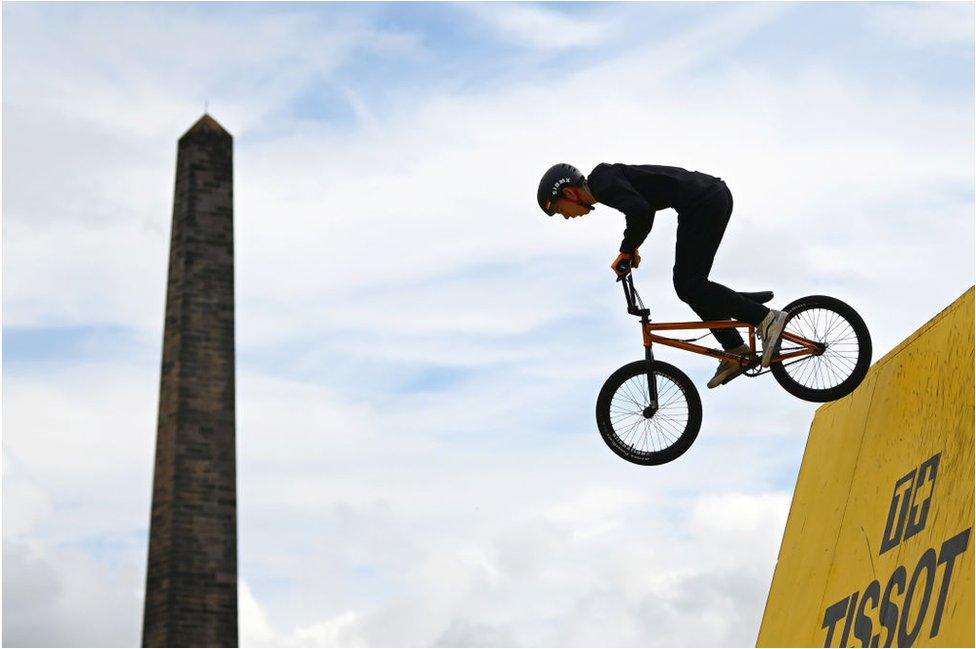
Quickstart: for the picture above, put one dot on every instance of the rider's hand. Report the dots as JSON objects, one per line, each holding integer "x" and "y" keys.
{"x": 637, "y": 257}
{"x": 616, "y": 262}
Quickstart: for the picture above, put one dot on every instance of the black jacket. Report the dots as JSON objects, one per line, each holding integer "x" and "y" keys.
{"x": 640, "y": 190}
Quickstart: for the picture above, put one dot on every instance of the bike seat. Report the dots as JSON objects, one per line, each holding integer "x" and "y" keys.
{"x": 759, "y": 296}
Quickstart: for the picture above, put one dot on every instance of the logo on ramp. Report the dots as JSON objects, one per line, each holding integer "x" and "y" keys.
{"x": 907, "y": 515}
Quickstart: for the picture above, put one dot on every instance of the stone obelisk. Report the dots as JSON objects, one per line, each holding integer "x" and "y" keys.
{"x": 191, "y": 583}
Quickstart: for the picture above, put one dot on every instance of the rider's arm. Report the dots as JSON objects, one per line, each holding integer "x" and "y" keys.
{"x": 638, "y": 227}
{"x": 611, "y": 187}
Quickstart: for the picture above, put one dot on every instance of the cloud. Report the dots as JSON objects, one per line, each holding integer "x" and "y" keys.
{"x": 464, "y": 633}
{"x": 256, "y": 631}
{"x": 314, "y": 182}
{"x": 26, "y": 504}
{"x": 655, "y": 584}
{"x": 925, "y": 24}
{"x": 54, "y": 597}
{"x": 542, "y": 28}
{"x": 249, "y": 64}
{"x": 532, "y": 581}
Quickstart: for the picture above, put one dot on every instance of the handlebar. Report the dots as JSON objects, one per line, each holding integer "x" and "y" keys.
{"x": 624, "y": 268}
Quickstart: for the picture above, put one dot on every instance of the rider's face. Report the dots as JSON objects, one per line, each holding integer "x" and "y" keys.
{"x": 570, "y": 207}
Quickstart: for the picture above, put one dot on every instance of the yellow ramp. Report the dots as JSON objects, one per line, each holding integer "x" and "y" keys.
{"x": 878, "y": 548}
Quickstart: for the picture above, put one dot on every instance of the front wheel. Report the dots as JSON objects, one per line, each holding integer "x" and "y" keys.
{"x": 622, "y": 413}
{"x": 847, "y": 349}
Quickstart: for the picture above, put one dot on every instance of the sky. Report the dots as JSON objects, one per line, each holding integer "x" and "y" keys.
{"x": 419, "y": 348}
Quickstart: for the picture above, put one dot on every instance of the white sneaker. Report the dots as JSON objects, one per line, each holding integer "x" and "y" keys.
{"x": 728, "y": 370}
{"x": 770, "y": 330}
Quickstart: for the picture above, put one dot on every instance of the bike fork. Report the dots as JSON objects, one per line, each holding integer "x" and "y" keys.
{"x": 651, "y": 382}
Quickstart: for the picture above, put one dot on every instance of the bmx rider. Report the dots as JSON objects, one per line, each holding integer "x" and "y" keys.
{"x": 704, "y": 205}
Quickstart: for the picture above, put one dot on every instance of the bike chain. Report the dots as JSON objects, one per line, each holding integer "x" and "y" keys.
{"x": 752, "y": 372}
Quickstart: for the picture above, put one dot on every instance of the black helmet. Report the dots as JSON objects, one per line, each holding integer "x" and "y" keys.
{"x": 558, "y": 176}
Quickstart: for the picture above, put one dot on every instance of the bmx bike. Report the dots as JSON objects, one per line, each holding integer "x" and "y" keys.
{"x": 649, "y": 412}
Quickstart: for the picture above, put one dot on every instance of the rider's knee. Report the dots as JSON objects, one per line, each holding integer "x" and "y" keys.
{"x": 687, "y": 290}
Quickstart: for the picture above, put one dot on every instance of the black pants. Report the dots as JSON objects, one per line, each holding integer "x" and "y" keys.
{"x": 700, "y": 231}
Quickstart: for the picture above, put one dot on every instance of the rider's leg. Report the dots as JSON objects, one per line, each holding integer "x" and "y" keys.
{"x": 700, "y": 232}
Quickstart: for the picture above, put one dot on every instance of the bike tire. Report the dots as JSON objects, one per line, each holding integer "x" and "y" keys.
{"x": 677, "y": 422}
{"x": 841, "y": 368}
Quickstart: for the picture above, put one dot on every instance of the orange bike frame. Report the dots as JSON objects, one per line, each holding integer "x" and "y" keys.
{"x": 808, "y": 347}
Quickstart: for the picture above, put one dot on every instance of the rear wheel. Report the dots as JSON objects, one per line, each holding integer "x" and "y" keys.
{"x": 846, "y": 358}
{"x": 622, "y": 413}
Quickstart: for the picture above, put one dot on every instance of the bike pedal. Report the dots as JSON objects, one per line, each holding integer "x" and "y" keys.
{"x": 754, "y": 361}
{"x": 734, "y": 376}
